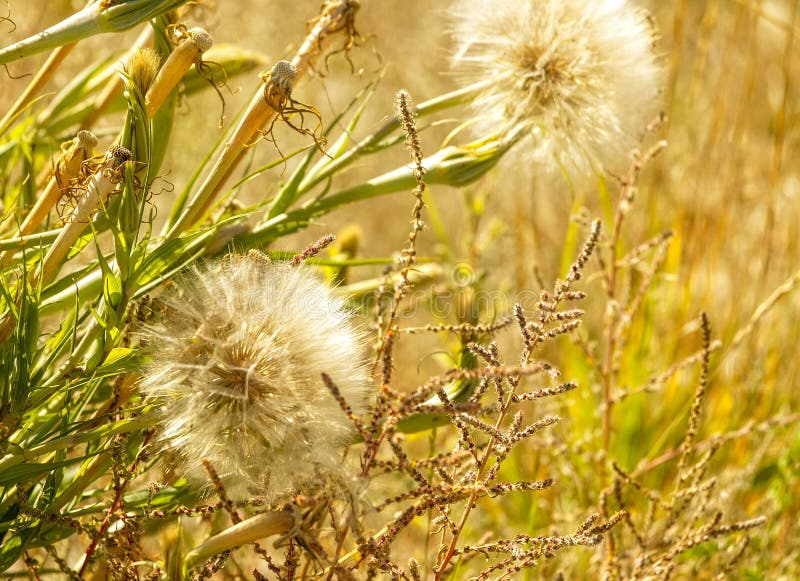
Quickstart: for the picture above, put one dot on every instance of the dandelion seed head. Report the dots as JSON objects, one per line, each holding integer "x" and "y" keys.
{"x": 237, "y": 365}
{"x": 579, "y": 76}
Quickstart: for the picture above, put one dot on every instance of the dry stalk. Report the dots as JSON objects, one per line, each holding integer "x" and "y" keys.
{"x": 68, "y": 168}
{"x": 386, "y": 328}
{"x": 261, "y": 111}
{"x": 98, "y": 189}
{"x": 761, "y": 311}
{"x": 192, "y": 44}
{"x": 613, "y": 335}
{"x": 694, "y": 415}
{"x": 39, "y": 81}
{"x": 124, "y": 478}
{"x": 263, "y": 525}
{"x": 533, "y": 334}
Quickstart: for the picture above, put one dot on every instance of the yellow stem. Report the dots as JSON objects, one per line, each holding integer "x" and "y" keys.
{"x": 99, "y": 188}
{"x": 40, "y": 80}
{"x": 259, "y": 113}
{"x": 258, "y": 527}
{"x": 179, "y": 61}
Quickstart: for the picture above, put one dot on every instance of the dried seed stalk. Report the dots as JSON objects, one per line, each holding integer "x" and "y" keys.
{"x": 102, "y": 184}
{"x": 192, "y": 44}
{"x": 69, "y": 167}
{"x": 260, "y": 112}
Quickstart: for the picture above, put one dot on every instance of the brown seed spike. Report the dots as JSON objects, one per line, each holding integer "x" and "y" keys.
{"x": 119, "y": 154}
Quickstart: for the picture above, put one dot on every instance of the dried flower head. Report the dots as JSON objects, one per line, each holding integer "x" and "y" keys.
{"x": 237, "y": 366}
{"x": 579, "y": 76}
{"x": 201, "y": 38}
{"x": 143, "y": 68}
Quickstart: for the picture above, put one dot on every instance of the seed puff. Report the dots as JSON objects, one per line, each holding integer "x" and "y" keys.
{"x": 579, "y": 76}
{"x": 236, "y": 370}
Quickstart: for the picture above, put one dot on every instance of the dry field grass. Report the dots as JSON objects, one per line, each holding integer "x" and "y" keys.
{"x": 710, "y": 224}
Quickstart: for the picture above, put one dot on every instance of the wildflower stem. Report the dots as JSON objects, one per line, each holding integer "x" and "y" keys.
{"x": 95, "y": 18}
{"x": 266, "y": 524}
{"x": 101, "y": 185}
{"x": 749, "y": 428}
{"x": 482, "y": 467}
{"x": 259, "y": 112}
{"x": 455, "y": 166}
{"x": 189, "y": 51}
{"x": 40, "y": 80}
{"x": 440, "y": 103}
{"x": 98, "y": 189}
{"x": 19, "y": 242}
{"x": 113, "y": 507}
{"x": 67, "y": 168}
{"x": 405, "y": 113}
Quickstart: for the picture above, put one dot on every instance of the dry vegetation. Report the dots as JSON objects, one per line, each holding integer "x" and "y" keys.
{"x": 575, "y": 374}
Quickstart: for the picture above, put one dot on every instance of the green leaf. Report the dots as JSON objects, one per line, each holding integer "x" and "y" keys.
{"x": 119, "y": 360}
{"x": 30, "y": 470}
{"x": 75, "y": 101}
{"x": 95, "y": 18}
{"x": 11, "y": 549}
{"x": 173, "y": 255}
{"x": 112, "y": 286}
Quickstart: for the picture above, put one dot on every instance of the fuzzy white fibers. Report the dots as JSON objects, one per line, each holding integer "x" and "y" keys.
{"x": 579, "y": 76}
{"x": 236, "y": 369}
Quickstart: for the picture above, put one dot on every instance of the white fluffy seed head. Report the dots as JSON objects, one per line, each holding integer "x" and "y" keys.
{"x": 579, "y": 76}
{"x": 236, "y": 368}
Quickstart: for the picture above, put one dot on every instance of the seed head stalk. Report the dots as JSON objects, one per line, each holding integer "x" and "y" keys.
{"x": 195, "y": 43}
{"x": 190, "y": 50}
{"x": 105, "y": 179}
{"x": 259, "y": 112}
{"x": 101, "y": 185}
{"x": 40, "y": 80}
{"x": 69, "y": 164}
{"x": 253, "y": 529}
{"x": 67, "y": 168}
{"x": 96, "y": 18}
{"x": 114, "y": 86}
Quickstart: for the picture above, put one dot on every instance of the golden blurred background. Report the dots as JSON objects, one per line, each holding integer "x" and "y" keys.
{"x": 727, "y": 186}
